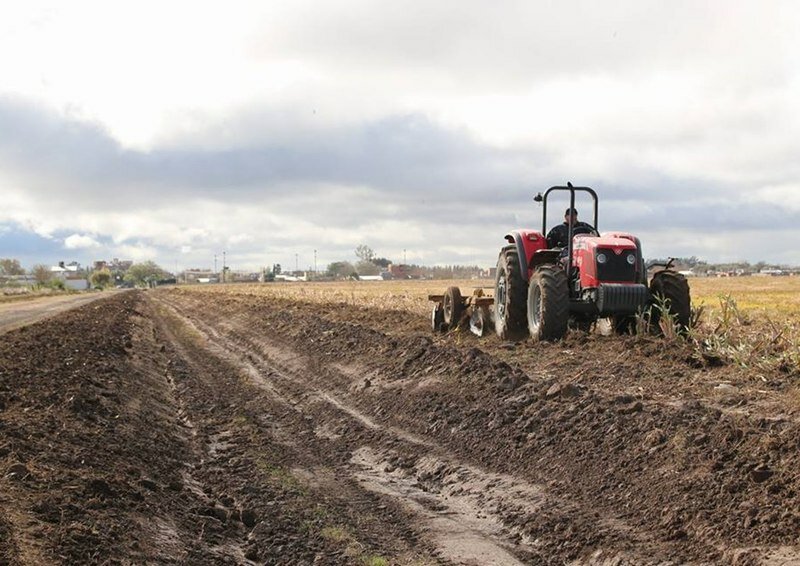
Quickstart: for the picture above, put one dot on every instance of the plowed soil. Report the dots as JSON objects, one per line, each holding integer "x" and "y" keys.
{"x": 201, "y": 428}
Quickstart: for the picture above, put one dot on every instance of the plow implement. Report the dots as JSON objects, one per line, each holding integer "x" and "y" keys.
{"x": 451, "y": 309}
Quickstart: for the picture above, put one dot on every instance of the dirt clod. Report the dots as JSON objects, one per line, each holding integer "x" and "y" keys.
{"x": 17, "y": 471}
{"x": 563, "y": 390}
{"x": 761, "y": 474}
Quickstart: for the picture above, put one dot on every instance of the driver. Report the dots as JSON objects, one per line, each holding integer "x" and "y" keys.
{"x": 558, "y": 237}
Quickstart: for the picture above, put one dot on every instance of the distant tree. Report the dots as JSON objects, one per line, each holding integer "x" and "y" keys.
{"x": 382, "y": 262}
{"x": 365, "y": 253}
{"x": 367, "y": 268}
{"x": 10, "y": 266}
{"x": 101, "y": 278}
{"x": 41, "y": 273}
{"x": 340, "y": 269}
{"x": 56, "y": 284}
{"x": 143, "y": 273}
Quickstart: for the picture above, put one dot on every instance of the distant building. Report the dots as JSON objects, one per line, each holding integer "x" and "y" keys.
{"x": 198, "y": 276}
{"x": 288, "y": 277}
{"x": 403, "y": 271}
{"x": 71, "y": 274}
{"x": 62, "y": 270}
{"x": 243, "y": 276}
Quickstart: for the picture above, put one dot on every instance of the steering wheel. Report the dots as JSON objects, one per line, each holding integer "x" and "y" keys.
{"x": 584, "y": 230}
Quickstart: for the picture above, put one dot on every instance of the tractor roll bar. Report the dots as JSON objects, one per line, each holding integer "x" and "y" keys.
{"x": 543, "y": 199}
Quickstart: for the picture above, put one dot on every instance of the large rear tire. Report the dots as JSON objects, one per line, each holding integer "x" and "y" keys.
{"x": 548, "y": 304}
{"x": 510, "y": 296}
{"x": 671, "y": 290}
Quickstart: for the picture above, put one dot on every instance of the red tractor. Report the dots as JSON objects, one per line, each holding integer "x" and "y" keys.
{"x": 540, "y": 290}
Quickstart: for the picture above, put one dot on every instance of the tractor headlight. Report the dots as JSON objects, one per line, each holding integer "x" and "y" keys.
{"x": 631, "y": 259}
{"x": 601, "y": 258}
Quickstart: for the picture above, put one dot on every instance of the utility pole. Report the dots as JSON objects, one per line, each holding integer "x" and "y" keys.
{"x": 315, "y": 264}
{"x": 223, "y": 266}
{"x": 215, "y": 265}
{"x": 404, "y": 257}
{"x": 296, "y": 263}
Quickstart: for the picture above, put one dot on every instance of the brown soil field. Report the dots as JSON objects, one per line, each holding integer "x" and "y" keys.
{"x": 325, "y": 424}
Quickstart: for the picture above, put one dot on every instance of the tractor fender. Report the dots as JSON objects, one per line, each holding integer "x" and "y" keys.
{"x": 516, "y": 238}
{"x": 527, "y": 242}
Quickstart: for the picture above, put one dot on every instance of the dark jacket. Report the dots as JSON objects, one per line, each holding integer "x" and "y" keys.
{"x": 558, "y": 237}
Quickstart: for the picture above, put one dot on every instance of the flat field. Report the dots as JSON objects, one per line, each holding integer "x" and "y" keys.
{"x": 325, "y": 424}
{"x": 777, "y": 297}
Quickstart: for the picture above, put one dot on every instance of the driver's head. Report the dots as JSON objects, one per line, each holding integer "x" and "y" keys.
{"x": 571, "y": 216}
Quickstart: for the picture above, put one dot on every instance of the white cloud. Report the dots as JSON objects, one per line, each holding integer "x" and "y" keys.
{"x": 237, "y": 239}
{"x": 139, "y": 252}
{"x": 80, "y": 241}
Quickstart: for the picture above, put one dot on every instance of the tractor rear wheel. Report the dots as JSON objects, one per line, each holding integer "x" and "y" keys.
{"x": 670, "y": 291}
{"x": 548, "y": 303}
{"x": 453, "y": 307}
{"x": 510, "y": 296}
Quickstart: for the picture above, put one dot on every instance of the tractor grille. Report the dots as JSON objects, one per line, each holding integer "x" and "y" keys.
{"x": 616, "y": 298}
{"x": 616, "y": 267}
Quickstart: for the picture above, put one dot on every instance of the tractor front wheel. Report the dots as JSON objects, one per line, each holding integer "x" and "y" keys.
{"x": 548, "y": 303}
{"x": 670, "y": 293}
{"x": 509, "y": 296}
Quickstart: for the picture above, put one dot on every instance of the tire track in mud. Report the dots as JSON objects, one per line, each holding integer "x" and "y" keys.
{"x": 471, "y": 513}
{"x": 344, "y": 522}
{"x": 92, "y": 447}
{"x": 450, "y": 521}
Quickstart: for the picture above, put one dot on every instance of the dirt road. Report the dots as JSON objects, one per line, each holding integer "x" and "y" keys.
{"x": 169, "y": 428}
{"x": 19, "y": 313}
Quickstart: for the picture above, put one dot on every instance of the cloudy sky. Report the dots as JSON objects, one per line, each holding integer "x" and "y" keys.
{"x": 176, "y": 130}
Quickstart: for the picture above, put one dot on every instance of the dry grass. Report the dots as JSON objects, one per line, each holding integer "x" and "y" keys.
{"x": 14, "y": 294}
{"x": 752, "y": 322}
{"x": 411, "y": 296}
{"x": 776, "y": 297}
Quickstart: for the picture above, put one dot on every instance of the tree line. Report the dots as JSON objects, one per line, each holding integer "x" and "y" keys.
{"x": 139, "y": 274}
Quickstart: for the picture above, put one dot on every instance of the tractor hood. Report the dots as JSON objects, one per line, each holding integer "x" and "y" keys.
{"x": 615, "y": 243}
